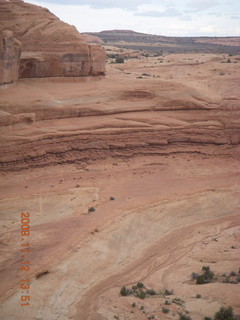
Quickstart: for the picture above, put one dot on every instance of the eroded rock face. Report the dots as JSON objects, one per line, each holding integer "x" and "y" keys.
{"x": 10, "y": 50}
{"x": 50, "y": 47}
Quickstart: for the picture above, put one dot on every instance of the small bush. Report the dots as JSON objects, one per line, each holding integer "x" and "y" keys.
{"x": 224, "y": 314}
{"x": 207, "y": 318}
{"x": 142, "y": 295}
{"x": 142, "y": 307}
{"x": 178, "y": 301}
{"x": 206, "y": 277}
{"x": 168, "y": 293}
{"x": 233, "y": 274}
{"x": 124, "y": 292}
{"x": 91, "y": 209}
{"x": 151, "y": 292}
{"x": 112, "y": 198}
{"x": 119, "y": 60}
{"x": 167, "y": 302}
{"x": 165, "y": 310}
{"x": 198, "y": 296}
{"x": 133, "y": 304}
{"x": 184, "y": 317}
{"x": 140, "y": 285}
{"x": 194, "y": 275}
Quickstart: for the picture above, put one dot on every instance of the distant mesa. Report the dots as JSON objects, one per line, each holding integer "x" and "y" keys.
{"x": 49, "y": 46}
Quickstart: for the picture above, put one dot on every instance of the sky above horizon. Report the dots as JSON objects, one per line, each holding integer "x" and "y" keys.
{"x": 165, "y": 17}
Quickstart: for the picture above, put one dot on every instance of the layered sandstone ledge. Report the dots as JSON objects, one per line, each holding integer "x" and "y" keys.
{"x": 50, "y": 47}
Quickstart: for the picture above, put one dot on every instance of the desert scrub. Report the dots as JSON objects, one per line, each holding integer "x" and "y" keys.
{"x": 165, "y": 310}
{"x": 124, "y": 292}
{"x": 184, "y": 317}
{"x": 142, "y": 295}
{"x": 119, "y": 60}
{"x": 91, "y": 209}
{"x": 168, "y": 292}
{"x": 198, "y": 296}
{"x": 206, "y": 276}
{"x": 224, "y": 314}
{"x": 178, "y": 301}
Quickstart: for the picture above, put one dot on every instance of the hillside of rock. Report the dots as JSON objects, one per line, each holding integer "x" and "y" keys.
{"x": 50, "y": 47}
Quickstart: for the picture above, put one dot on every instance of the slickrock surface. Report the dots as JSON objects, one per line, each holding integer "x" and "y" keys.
{"x": 162, "y": 139}
{"x": 10, "y": 50}
{"x": 50, "y": 47}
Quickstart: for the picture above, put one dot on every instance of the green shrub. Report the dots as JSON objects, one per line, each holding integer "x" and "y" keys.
{"x": 140, "y": 285}
{"x": 224, "y": 314}
{"x": 167, "y": 302}
{"x": 151, "y": 292}
{"x": 177, "y": 301}
{"x": 207, "y": 318}
{"x": 119, "y": 60}
{"x": 165, "y": 310}
{"x": 206, "y": 277}
{"x": 91, "y": 209}
{"x": 184, "y": 317}
{"x": 124, "y": 292}
{"x": 142, "y": 295}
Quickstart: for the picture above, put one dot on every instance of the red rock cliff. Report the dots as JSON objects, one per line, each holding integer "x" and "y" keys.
{"x": 50, "y": 47}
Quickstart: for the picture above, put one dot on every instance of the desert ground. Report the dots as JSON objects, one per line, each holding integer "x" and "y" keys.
{"x": 129, "y": 178}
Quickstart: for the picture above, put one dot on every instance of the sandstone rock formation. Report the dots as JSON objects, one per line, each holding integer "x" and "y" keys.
{"x": 50, "y": 47}
{"x": 10, "y": 49}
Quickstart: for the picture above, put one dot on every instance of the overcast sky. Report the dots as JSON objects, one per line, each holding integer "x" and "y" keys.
{"x": 162, "y": 17}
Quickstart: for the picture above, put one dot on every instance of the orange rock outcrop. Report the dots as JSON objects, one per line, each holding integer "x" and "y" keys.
{"x": 50, "y": 47}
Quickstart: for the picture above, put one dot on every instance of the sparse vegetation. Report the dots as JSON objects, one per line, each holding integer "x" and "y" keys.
{"x": 178, "y": 301}
{"x": 198, "y": 296}
{"x": 133, "y": 304}
{"x": 91, "y": 209}
{"x": 184, "y": 317}
{"x": 165, "y": 310}
{"x": 124, "y": 292}
{"x": 112, "y": 198}
{"x": 151, "y": 292}
{"x": 207, "y": 318}
{"x": 206, "y": 276}
{"x": 167, "y": 302}
{"x": 224, "y": 314}
{"x": 142, "y": 295}
{"x": 119, "y": 60}
{"x": 140, "y": 285}
{"x": 168, "y": 292}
